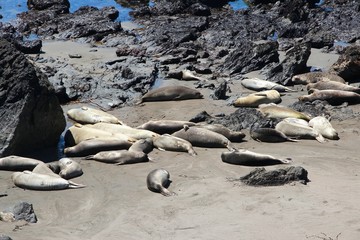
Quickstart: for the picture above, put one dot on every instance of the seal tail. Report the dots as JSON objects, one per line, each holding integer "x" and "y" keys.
{"x": 73, "y": 185}
{"x": 90, "y": 157}
{"x": 231, "y": 147}
{"x": 192, "y": 152}
{"x": 320, "y": 138}
{"x": 286, "y": 161}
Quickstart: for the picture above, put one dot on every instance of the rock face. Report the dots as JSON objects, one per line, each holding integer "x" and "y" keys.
{"x": 348, "y": 64}
{"x": 23, "y": 211}
{"x": 31, "y": 117}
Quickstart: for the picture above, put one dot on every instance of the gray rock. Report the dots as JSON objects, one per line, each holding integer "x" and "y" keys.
{"x": 23, "y": 211}
{"x": 31, "y": 116}
{"x": 4, "y": 237}
{"x": 348, "y": 64}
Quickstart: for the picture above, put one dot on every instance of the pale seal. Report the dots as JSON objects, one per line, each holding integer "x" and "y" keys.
{"x": 324, "y": 127}
{"x": 171, "y": 93}
{"x": 333, "y": 97}
{"x": 168, "y": 142}
{"x": 233, "y": 136}
{"x": 249, "y": 158}
{"x": 17, "y": 163}
{"x": 257, "y": 84}
{"x": 278, "y": 111}
{"x": 158, "y": 180}
{"x": 37, "y": 181}
{"x": 119, "y": 157}
{"x": 91, "y": 115}
{"x": 201, "y": 137}
{"x": 66, "y": 168}
{"x": 313, "y": 77}
{"x": 189, "y": 76}
{"x": 255, "y": 99}
{"x": 299, "y": 131}
{"x": 142, "y": 145}
{"x": 327, "y": 85}
{"x": 165, "y": 126}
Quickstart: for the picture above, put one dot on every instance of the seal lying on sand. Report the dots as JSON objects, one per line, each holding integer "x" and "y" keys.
{"x": 299, "y": 131}
{"x": 257, "y": 84}
{"x": 158, "y": 180}
{"x": 142, "y": 145}
{"x": 326, "y": 85}
{"x": 278, "y": 111}
{"x": 165, "y": 126}
{"x": 201, "y": 137}
{"x": 91, "y": 115}
{"x": 37, "y": 181}
{"x": 66, "y": 168}
{"x": 184, "y": 75}
{"x": 229, "y": 134}
{"x": 313, "y": 77}
{"x": 248, "y": 158}
{"x": 171, "y": 93}
{"x": 323, "y": 126}
{"x": 119, "y": 157}
{"x": 17, "y": 163}
{"x": 168, "y": 142}
{"x": 333, "y": 97}
{"x": 95, "y": 145}
{"x": 255, "y": 99}
{"x": 269, "y": 135}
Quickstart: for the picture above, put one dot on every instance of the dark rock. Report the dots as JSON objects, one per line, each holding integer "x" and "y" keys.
{"x": 201, "y": 117}
{"x": 294, "y": 63}
{"x": 62, "y": 6}
{"x": 29, "y": 47}
{"x": 31, "y": 114}
{"x": 220, "y": 92}
{"x": 202, "y": 69}
{"x": 199, "y": 9}
{"x": 261, "y": 177}
{"x": 348, "y": 64}
{"x": 23, "y": 211}
{"x": 313, "y": 109}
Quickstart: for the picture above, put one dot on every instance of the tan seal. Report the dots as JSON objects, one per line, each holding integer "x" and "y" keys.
{"x": 17, "y": 163}
{"x": 165, "y": 126}
{"x": 168, "y": 142}
{"x": 158, "y": 180}
{"x": 333, "y": 97}
{"x": 255, "y": 99}
{"x": 119, "y": 157}
{"x": 249, "y": 158}
{"x": 313, "y": 77}
{"x": 233, "y": 136}
{"x": 279, "y": 111}
{"x": 331, "y": 85}
{"x": 89, "y": 115}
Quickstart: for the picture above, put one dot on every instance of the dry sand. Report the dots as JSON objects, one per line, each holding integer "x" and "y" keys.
{"x": 116, "y": 203}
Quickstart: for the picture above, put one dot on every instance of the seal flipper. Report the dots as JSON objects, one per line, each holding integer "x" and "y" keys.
{"x": 90, "y": 157}
{"x": 73, "y": 185}
{"x": 166, "y": 192}
{"x": 320, "y": 138}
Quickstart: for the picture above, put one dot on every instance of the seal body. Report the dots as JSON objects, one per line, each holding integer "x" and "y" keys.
{"x": 165, "y": 126}
{"x": 255, "y": 99}
{"x": 189, "y": 76}
{"x": 69, "y": 168}
{"x": 91, "y": 115}
{"x": 324, "y": 127}
{"x": 278, "y": 111}
{"x": 313, "y": 77}
{"x": 331, "y": 85}
{"x": 201, "y": 137}
{"x": 233, "y": 136}
{"x": 249, "y": 158}
{"x": 257, "y": 84}
{"x": 170, "y": 93}
{"x": 158, "y": 180}
{"x": 269, "y": 135}
{"x": 333, "y": 97}
{"x": 119, "y": 157}
{"x": 17, "y": 163}
{"x": 142, "y": 145}
{"x": 298, "y": 131}
{"x": 168, "y": 142}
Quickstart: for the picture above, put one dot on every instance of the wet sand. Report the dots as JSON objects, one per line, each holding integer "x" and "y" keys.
{"x": 116, "y": 203}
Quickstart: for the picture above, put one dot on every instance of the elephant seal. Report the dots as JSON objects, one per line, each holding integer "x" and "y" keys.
{"x": 142, "y": 145}
{"x": 168, "y": 142}
{"x": 255, "y": 99}
{"x": 171, "y": 93}
{"x": 201, "y": 137}
{"x": 269, "y": 135}
{"x": 69, "y": 168}
{"x": 158, "y": 180}
{"x": 188, "y": 75}
{"x": 43, "y": 168}
{"x": 119, "y": 157}
{"x": 324, "y": 127}
{"x": 126, "y": 130}
{"x": 17, "y": 163}
{"x": 95, "y": 145}
{"x": 333, "y": 97}
{"x": 313, "y": 77}
{"x": 249, "y": 158}
{"x": 278, "y": 111}
{"x": 233, "y": 136}
{"x": 88, "y": 115}
{"x": 299, "y": 131}
{"x": 37, "y": 181}
{"x": 165, "y": 126}
{"x": 257, "y": 84}
{"x": 331, "y": 85}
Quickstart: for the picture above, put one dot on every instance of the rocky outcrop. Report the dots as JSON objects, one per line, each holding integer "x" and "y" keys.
{"x": 31, "y": 117}
{"x": 348, "y": 64}
{"x": 61, "y": 6}
{"x": 21, "y": 211}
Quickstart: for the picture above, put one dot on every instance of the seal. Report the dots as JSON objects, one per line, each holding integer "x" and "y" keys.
{"x": 121, "y": 129}
{"x": 119, "y": 157}
{"x": 313, "y": 77}
{"x": 37, "y": 181}
{"x": 43, "y": 168}
{"x": 158, "y": 180}
{"x": 168, "y": 142}
{"x": 299, "y": 131}
{"x": 165, "y": 126}
{"x": 257, "y": 84}
{"x": 188, "y": 75}
{"x": 201, "y": 137}
{"x": 327, "y": 85}
{"x": 89, "y": 115}
{"x": 17, "y": 163}
{"x": 233, "y": 136}
{"x": 249, "y": 158}
{"x": 333, "y": 97}
{"x": 279, "y": 111}
{"x": 171, "y": 93}
{"x": 255, "y": 99}
{"x": 324, "y": 127}
{"x": 269, "y": 135}
{"x": 95, "y": 145}
{"x": 142, "y": 145}
{"x": 66, "y": 168}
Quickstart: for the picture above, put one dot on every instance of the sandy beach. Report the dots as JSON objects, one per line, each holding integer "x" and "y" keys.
{"x": 210, "y": 202}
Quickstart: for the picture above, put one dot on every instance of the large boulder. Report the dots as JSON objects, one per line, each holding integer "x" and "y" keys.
{"x": 31, "y": 117}
{"x": 348, "y": 64}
